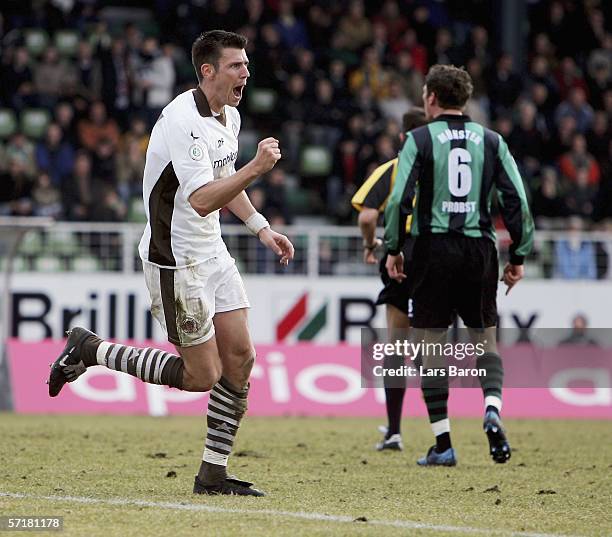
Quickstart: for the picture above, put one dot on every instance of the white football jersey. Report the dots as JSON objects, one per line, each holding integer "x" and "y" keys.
{"x": 189, "y": 147}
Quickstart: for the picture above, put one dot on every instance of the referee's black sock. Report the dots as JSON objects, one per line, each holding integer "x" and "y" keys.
{"x": 394, "y": 398}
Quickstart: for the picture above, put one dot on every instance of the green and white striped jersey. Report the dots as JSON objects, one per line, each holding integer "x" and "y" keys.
{"x": 448, "y": 168}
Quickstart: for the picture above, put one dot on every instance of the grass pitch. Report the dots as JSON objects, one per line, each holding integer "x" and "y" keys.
{"x": 557, "y": 482}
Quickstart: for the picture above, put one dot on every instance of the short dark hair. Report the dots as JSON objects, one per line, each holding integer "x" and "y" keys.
{"x": 415, "y": 117}
{"x": 452, "y": 85}
{"x": 208, "y": 46}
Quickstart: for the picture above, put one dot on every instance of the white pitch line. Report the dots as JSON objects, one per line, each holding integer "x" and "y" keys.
{"x": 274, "y": 513}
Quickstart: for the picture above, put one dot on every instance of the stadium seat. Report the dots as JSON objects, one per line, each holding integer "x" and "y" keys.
{"x": 36, "y": 40}
{"x": 63, "y": 243}
{"x": 67, "y": 42}
{"x": 8, "y": 123}
{"x": 85, "y": 264}
{"x": 31, "y": 244}
{"x": 48, "y": 263}
{"x": 315, "y": 160}
{"x": 20, "y": 264}
{"x": 298, "y": 200}
{"x": 34, "y": 122}
{"x": 136, "y": 211}
{"x": 261, "y": 100}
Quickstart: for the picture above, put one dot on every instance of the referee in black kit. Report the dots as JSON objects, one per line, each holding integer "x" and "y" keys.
{"x": 370, "y": 200}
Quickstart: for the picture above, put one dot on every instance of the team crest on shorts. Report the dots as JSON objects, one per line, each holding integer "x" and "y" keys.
{"x": 190, "y": 325}
{"x": 196, "y": 152}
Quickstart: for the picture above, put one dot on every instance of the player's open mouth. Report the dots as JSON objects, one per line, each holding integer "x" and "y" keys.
{"x": 237, "y": 91}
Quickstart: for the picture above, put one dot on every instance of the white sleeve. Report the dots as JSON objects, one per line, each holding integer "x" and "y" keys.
{"x": 190, "y": 158}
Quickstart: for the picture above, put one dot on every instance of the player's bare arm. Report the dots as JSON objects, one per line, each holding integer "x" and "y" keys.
{"x": 367, "y": 220}
{"x": 219, "y": 193}
{"x": 242, "y": 207}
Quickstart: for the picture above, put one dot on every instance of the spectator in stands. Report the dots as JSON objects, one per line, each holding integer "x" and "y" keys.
{"x": 54, "y": 77}
{"x": 444, "y": 50}
{"x": 89, "y": 73}
{"x": 155, "y": 77}
{"x": 580, "y": 332}
{"x": 599, "y": 136}
{"x": 569, "y": 77}
{"x": 528, "y": 139}
{"x": 540, "y": 74}
{"x": 98, "y": 127}
{"x": 138, "y": 133}
{"x": 64, "y": 118}
{"x": 275, "y": 191}
{"x": 392, "y": 20}
{"x": 354, "y": 29}
{"x": 104, "y": 162}
{"x": 547, "y": 199}
{"x": 580, "y": 195}
{"x": 600, "y": 79}
{"x": 320, "y": 23}
{"x": 21, "y": 150}
{"x": 478, "y": 47}
{"x": 395, "y": 103}
{"x": 15, "y": 190}
{"x": 574, "y": 257}
{"x": 409, "y": 43}
{"x": 46, "y": 197}
{"x": 305, "y": 63}
{"x": 578, "y": 159}
{"x": 326, "y": 117}
{"x": 505, "y": 86}
{"x": 77, "y": 188}
{"x": 292, "y": 31}
{"x": 576, "y": 106}
{"x": 294, "y": 109}
{"x": 18, "y": 81}
{"x": 109, "y": 207}
{"x": 409, "y": 77}
{"x": 130, "y": 170}
{"x": 55, "y": 154}
{"x": 562, "y": 141}
{"x": 116, "y": 91}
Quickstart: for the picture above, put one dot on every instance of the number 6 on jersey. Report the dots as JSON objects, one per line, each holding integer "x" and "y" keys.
{"x": 459, "y": 172}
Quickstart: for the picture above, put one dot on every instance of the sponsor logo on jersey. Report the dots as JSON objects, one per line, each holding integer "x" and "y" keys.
{"x": 225, "y": 160}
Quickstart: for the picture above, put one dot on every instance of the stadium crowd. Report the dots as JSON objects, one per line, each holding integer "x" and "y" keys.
{"x": 331, "y": 80}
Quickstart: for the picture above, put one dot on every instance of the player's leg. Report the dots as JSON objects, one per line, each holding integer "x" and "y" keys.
{"x": 433, "y": 274}
{"x": 479, "y": 312}
{"x": 181, "y": 308}
{"x": 398, "y": 324}
{"x": 228, "y": 399}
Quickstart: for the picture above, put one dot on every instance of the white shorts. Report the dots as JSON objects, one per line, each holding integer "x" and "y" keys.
{"x": 185, "y": 300}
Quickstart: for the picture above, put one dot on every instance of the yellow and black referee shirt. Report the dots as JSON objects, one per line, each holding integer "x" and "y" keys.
{"x": 376, "y": 189}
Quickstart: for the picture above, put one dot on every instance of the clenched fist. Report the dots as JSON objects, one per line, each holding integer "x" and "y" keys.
{"x": 268, "y": 154}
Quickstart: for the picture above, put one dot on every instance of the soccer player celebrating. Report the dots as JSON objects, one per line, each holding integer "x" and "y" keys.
{"x": 370, "y": 201}
{"x": 197, "y": 294}
{"x": 448, "y": 169}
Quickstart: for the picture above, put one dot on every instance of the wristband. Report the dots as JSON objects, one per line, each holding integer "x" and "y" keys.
{"x": 256, "y": 222}
{"x": 373, "y": 246}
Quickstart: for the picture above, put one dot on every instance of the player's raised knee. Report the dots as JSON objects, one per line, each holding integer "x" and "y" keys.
{"x": 201, "y": 380}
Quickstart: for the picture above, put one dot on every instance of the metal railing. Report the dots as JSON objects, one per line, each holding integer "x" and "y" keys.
{"x": 319, "y": 251}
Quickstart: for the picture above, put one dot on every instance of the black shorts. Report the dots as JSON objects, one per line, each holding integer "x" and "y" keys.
{"x": 453, "y": 273}
{"x": 395, "y": 293}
